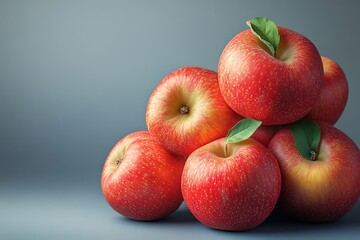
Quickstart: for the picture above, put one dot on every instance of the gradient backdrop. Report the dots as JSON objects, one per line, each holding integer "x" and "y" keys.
{"x": 75, "y": 77}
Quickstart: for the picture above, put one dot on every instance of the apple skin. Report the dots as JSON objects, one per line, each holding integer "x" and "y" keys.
{"x": 146, "y": 182}
{"x": 233, "y": 193}
{"x": 273, "y": 90}
{"x": 208, "y": 117}
{"x": 265, "y": 133}
{"x": 333, "y": 95}
{"x": 321, "y": 190}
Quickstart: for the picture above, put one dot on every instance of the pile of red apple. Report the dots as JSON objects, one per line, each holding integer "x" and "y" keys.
{"x": 234, "y": 144}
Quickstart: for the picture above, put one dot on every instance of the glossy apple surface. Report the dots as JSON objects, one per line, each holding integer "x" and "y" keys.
{"x": 333, "y": 95}
{"x": 274, "y": 90}
{"x": 265, "y": 133}
{"x": 321, "y": 190}
{"x": 186, "y": 110}
{"x": 140, "y": 179}
{"x": 234, "y": 190}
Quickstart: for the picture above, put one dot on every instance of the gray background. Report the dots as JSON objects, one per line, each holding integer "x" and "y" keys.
{"x": 75, "y": 77}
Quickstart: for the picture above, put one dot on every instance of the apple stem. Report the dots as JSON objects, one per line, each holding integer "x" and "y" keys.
{"x": 312, "y": 155}
{"x": 225, "y": 149}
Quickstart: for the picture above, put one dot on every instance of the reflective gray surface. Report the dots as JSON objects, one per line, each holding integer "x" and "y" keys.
{"x": 75, "y": 77}
{"x": 77, "y": 212}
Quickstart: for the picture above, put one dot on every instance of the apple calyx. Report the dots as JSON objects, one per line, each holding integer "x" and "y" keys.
{"x": 267, "y": 31}
{"x": 241, "y": 131}
{"x": 306, "y": 135}
{"x": 117, "y": 162}
{"x": 184, "y": 110}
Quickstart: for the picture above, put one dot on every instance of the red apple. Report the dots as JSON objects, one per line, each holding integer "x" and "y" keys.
{"x": 231, "y": 190}
{"x": 265, "y": 133}
{"x": 324, "y": 189}
{"x": 142, "y": 180}
{"x": 274, "y": 90}
{"x": 333, "y": 95}
{"x": 186, "y": 110}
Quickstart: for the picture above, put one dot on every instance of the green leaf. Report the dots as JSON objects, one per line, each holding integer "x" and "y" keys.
{"x": 242, "y": 130}
{"x": 267, "y": 31}
{"x": 306, "y": 134}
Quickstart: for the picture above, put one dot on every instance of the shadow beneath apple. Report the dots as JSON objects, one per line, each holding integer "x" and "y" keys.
{"x": 279, "y": 223}
{"x": 181, "y": 216}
